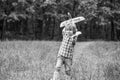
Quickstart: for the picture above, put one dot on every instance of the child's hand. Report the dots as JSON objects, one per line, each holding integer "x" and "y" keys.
{"x": 78, "y": 33}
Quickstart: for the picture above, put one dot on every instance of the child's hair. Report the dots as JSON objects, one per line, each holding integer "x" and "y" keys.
{"x": 71, "y": 27}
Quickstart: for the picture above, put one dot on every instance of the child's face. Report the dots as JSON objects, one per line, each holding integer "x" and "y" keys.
{"x": 71, "y": 28}
{"x": 70, "y": 33}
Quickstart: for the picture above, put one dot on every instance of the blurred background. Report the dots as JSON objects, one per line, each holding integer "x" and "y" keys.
{"x": 40, "y": 19}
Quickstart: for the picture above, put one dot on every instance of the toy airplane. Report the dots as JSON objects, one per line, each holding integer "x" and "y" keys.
{"x": 73, "y": 20}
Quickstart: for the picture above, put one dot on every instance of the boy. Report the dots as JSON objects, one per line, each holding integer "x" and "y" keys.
{"x": 65, "y": 53}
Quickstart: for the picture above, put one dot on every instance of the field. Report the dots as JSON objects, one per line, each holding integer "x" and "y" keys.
{"x": 35, "y": 60}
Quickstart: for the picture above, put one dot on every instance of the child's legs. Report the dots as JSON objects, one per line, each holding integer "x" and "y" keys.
{"x": 68, "y": 64}
{"x": 56, "y": 75}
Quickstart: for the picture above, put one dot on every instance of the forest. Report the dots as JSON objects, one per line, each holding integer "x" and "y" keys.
{"x": 40, "y": 19}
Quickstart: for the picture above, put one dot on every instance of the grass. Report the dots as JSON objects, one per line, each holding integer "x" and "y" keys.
{"x": 35, "y": 60}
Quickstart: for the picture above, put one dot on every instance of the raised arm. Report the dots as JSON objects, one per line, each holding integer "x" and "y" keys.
{"x": 76, "y": 34}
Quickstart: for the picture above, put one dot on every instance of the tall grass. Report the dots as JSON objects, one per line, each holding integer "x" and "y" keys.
{"x": 35, "y": 60}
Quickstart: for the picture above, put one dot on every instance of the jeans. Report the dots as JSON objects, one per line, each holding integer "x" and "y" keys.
{"x": 67, "y": 65}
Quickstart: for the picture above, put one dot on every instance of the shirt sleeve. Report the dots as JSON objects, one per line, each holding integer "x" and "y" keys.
{"x": 63, "y": 31}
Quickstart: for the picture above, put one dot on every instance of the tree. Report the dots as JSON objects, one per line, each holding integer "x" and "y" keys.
{"x": 13, "y": 11}
{"x": 40, "y": 19}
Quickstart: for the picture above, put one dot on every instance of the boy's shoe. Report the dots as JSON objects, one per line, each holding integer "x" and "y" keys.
{"x": 51, "y": 79}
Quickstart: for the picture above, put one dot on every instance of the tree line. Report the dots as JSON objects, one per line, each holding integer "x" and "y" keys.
{"x": 40, "y": 19}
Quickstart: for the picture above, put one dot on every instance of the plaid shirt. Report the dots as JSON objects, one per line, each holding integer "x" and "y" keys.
{"x": 67, "y": 45}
